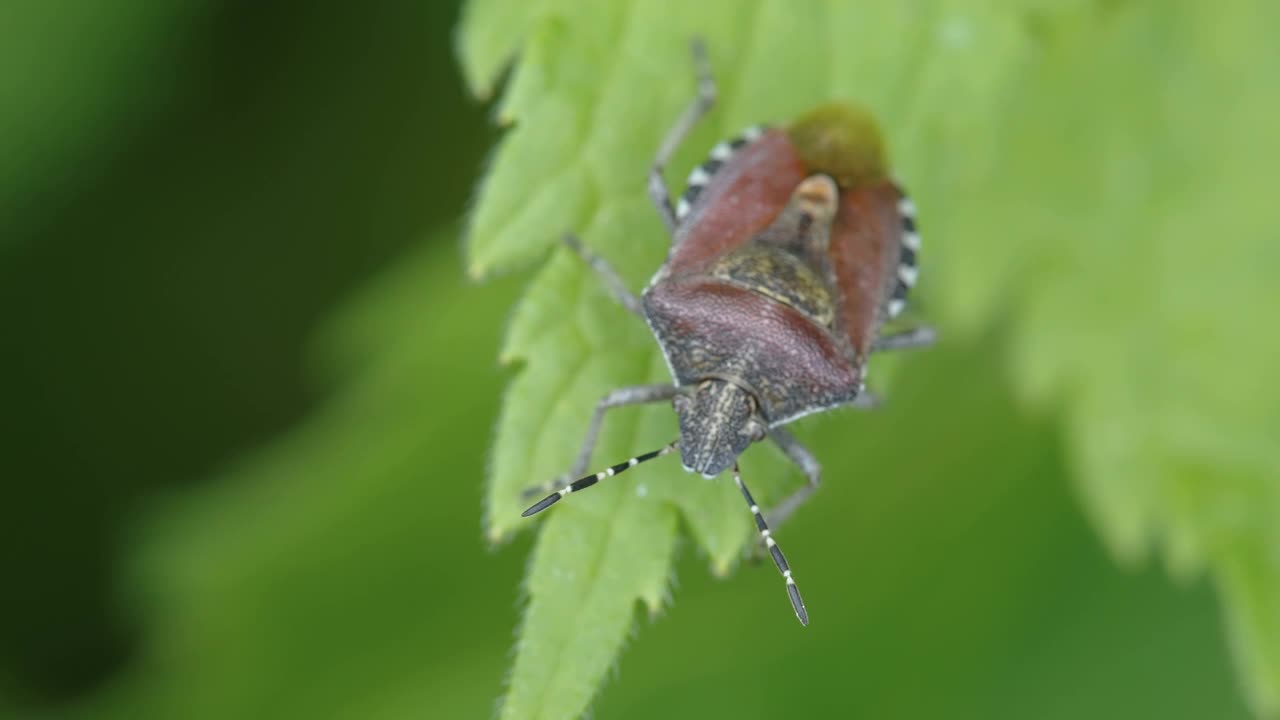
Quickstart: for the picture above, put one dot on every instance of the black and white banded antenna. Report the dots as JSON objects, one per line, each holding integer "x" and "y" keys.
{"x": 588, "y": 481}
{"x": 797, "y": 603}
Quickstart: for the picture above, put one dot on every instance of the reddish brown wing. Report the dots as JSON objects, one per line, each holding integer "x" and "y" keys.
{"x": 710, "y": 328}
{"x": 741, "y": 195}
{"x": 866, "y": 245}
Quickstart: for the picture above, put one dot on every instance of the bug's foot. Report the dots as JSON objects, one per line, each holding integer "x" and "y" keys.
{"x": 549, "y": 486}
{"x": 754, "y": 553}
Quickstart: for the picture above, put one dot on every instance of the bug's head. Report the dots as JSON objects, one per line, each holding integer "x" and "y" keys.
{"x": 718, "y": 420}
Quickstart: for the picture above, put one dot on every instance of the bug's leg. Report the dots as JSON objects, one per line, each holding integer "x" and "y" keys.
{"x": 866, "y": 400}
{"x": 701, "y": 103}
{"x": 801, "y": 456}
{"x": 920, "y": 337}
{"x": 634, "y": 395}
{"x": 607, "y": 275}
{"x": 766, "y": 536}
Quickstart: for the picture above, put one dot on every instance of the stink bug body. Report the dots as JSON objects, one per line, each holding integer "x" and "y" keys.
{"x": 790, "y": 248}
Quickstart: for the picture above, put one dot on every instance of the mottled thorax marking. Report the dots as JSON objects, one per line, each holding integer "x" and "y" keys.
{"x": 788, "y": 262}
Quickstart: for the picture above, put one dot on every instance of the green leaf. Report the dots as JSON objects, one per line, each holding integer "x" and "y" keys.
{"x": 1143, "y": 251}
{"x": 596, "y": 86}
{"x": 1090, "y": 174}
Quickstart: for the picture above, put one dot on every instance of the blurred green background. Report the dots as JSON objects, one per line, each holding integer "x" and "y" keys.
{"x": 229, "y": 229}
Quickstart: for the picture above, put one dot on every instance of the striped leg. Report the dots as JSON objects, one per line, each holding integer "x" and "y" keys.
{"x": 797, "y": 603}
{"x": 634, "y": 395}
{"x": 698, "y": 107}
{"x": 588, "y": 481}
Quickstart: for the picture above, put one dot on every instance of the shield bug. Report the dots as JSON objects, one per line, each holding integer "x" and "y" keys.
{"x": 790, "y": 249}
